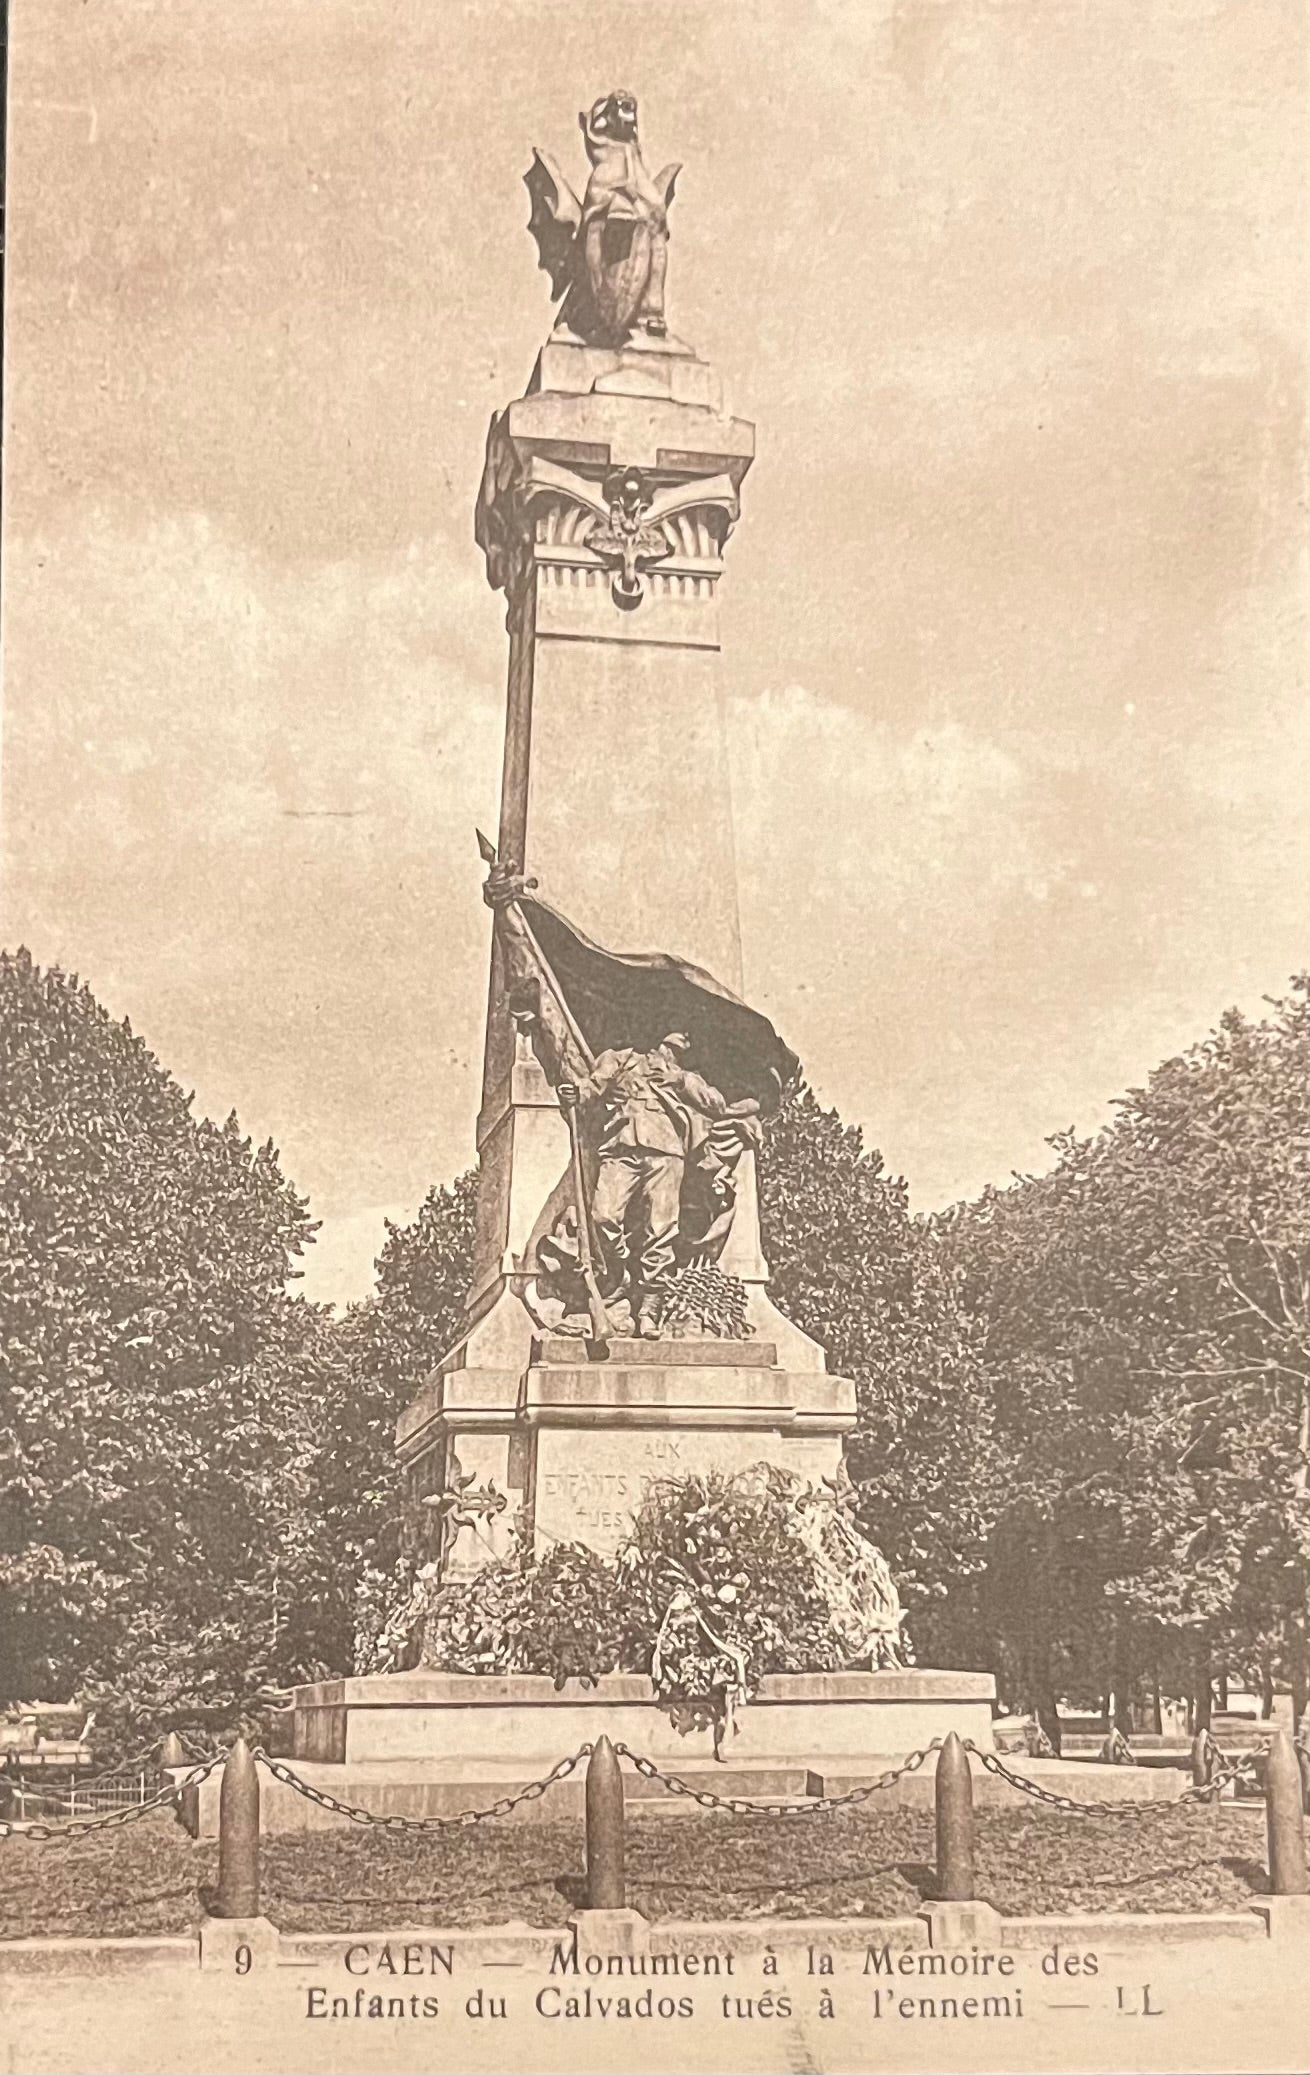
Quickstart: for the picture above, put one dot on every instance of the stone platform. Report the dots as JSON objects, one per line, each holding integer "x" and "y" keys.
{"x": 439, "y": 1743}
{"x": 524, "y": 1721}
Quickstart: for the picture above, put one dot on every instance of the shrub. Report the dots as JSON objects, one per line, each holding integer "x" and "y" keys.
{"x": 572, "y": 1622}
{"x": 477, "y": 1624}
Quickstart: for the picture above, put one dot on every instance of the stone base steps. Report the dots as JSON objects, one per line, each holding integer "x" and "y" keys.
{"x": 1174, "y": 1750}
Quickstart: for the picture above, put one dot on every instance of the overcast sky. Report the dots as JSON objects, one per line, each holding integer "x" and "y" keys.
{"x": 1014, "y": 621}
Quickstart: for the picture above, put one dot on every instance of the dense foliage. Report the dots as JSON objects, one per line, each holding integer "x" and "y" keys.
{"x": 1083, "y": 1399}
{"x": 388, "y": 1346}
{"x": 559, "y": 1616}
{"x": 157, "y": 1381}
{"x": 878, "y": 1290}
{"x": 1148, "y": 1353}
{"x": 713, "y": 1588}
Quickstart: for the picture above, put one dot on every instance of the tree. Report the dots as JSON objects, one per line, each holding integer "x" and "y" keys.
{"x": 388, "y": 1346}
{"x": 1030, "y": 1260}
{"x": 1211, "y": 1164}
{"x": 883, "y": 1296}
{"x": 1145, "y": 1313}
{"x": 158, "y": 1382}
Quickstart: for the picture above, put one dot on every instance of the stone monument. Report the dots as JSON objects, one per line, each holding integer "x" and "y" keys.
{"x": 619, "y": 1325}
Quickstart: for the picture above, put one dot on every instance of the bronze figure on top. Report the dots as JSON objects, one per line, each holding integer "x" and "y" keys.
{"x": 606, "y": 255}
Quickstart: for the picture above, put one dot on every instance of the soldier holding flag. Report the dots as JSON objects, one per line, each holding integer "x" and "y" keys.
{"x": 654, "y": 1112}
{"x": 656, "y": 1145}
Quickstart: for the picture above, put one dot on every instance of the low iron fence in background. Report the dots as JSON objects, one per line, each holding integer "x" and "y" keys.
{"x": 82, "y": 1798}
{"x": 131, "y": 1783}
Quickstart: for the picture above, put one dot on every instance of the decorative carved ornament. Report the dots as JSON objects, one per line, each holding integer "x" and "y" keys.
{"x": 463, "y": 1503}
{"x": 624, "y": 522}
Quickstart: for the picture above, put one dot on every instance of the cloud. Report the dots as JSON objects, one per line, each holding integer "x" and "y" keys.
{"x": 877, "y": 815}
{"x": 240, "y": 798}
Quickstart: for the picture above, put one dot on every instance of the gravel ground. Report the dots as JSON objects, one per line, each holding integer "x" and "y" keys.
{"x": 151, "y": 1878}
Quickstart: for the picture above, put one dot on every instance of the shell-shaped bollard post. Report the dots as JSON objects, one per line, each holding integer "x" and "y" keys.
{"x": 238, "y": 1834}
{"x": 954, "y": 1801}
{"x": 173, "y": 1758}
{"x": 1202, "y": 1759}
{"x": 1284, "y": 1820}
{"x": 604, "y": 1800}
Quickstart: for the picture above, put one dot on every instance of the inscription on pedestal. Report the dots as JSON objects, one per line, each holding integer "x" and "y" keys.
{"x": 590, "y": 1483}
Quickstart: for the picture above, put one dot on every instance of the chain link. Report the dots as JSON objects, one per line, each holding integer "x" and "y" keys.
{"x": 1210, "y": 1790}
{"x": 706, "y": 1797}
{"x": 1218, "y": 1775}
{"x": 116, "y": 1819}
{"x": 464, "y": 1820}
{"x": 1245, "y": 1771}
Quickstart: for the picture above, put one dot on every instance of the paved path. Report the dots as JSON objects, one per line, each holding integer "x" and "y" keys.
{"x": 1222, "y": 2007}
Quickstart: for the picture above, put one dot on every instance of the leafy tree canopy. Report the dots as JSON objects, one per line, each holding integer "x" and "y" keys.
{"x": 879, "y": 1291}
{"x": 1144, "y": 1307}
{"x": 157, "y": 1381}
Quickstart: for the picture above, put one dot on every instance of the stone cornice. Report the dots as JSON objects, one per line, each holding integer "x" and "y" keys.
{"x": 650, "y": 496}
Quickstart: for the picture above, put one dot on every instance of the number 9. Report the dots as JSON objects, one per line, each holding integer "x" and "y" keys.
{"x": 245, "y": 1959}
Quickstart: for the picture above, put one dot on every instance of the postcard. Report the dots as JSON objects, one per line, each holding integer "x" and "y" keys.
{"x": 655, "y": 1037}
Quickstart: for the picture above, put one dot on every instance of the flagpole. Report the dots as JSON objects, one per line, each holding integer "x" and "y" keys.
{"x": 600, "y": 1320}
{"x": 490, "y": 859}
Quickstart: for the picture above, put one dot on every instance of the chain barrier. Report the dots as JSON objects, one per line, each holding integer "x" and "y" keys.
{"x": 706, "y": 1797}
{"x": 1116, "y": 1750}
{"x": 1210, "y": 1790}
{"x": 141, "y": 1762}
{"x": 116, "y": 1818}
{"x": 464, "y": 1820}
{"x": 147, "y": 1759}
{"x": 736, "y": 1805}
{"x": 1211, "y": 1752}
{"x": 264, "y": 1700}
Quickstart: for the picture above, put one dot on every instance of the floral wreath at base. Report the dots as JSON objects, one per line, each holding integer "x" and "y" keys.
{"x": 722, "y": 1580}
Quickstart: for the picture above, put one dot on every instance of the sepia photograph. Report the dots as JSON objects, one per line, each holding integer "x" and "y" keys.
{"x": 655, "y": 1037}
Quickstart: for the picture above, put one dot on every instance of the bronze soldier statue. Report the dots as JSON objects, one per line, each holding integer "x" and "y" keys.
{"x": 652, "y": 1114}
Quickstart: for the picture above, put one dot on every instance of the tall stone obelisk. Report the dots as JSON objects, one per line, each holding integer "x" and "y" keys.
{"x": 610, "y": 490}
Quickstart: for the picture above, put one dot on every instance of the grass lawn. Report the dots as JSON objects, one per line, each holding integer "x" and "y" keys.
{"x": 150, "y": 1877}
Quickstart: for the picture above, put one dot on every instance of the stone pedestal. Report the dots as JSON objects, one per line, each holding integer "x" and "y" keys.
{"x": 616, "y": 799}
{"x": 573, "y": 1444}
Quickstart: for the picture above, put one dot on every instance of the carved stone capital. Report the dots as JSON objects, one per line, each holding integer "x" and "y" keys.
{"x": 629, "y": 518}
